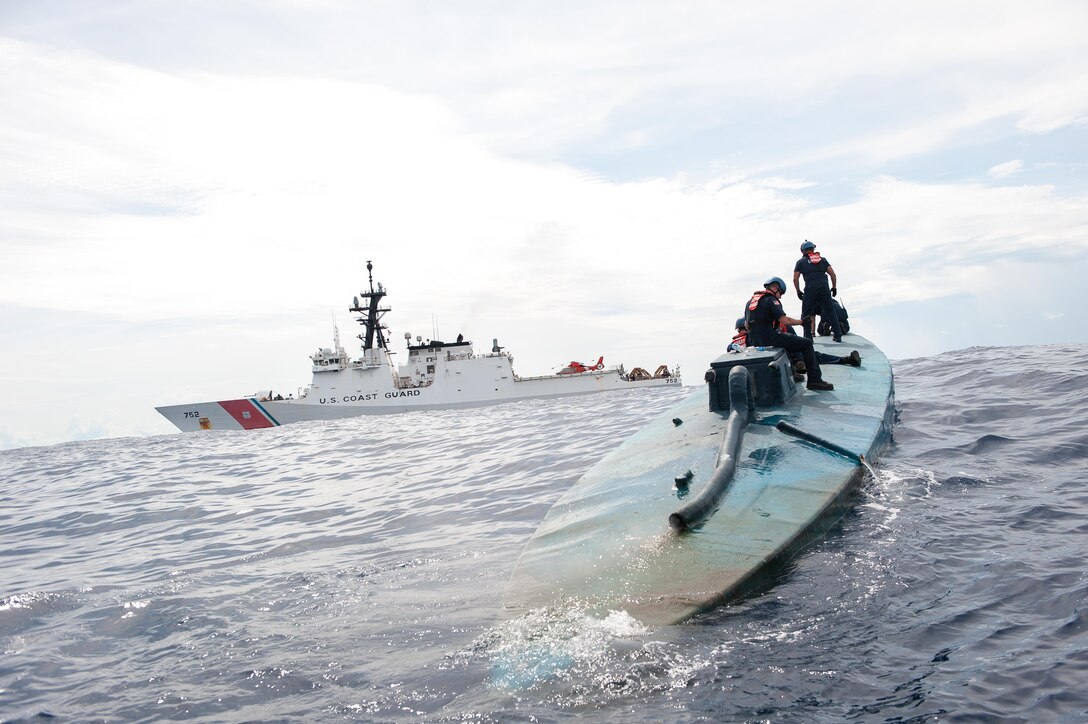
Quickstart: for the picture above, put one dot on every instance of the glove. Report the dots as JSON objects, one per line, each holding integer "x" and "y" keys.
{"x": 800, "y": 295}
{"x": 834, "y": 291}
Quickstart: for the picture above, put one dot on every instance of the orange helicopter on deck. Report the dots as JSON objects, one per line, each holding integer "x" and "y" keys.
{"x": 574, "y": 368}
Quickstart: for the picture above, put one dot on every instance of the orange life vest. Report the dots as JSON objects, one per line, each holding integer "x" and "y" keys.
{"x": 755, "y": 299}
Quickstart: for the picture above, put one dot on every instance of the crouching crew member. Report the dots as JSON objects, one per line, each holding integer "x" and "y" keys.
{"x": 816, "y": 299}
{"x": 740, "y": 341}
{"x": 764, "y": 314}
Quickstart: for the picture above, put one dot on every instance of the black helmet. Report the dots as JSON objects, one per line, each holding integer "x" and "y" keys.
{"x": 807, "y": 246}
{"x": 740, "y": 323}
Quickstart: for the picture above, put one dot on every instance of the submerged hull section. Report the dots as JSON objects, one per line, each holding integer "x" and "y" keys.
{"x": 608, "y": 544}
{"x": 254, "y": 413}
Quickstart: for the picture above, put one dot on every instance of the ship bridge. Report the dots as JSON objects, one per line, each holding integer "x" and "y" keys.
{"x": 424, "y": 358}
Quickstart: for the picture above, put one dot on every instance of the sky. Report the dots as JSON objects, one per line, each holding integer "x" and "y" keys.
{"x": 189, "y": 192}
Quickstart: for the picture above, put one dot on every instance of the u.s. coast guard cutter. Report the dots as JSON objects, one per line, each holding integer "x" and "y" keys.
{"x": 437, "y": 375}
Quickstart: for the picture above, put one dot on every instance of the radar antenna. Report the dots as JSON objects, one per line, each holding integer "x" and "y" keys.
{"x": 368, "y": 306}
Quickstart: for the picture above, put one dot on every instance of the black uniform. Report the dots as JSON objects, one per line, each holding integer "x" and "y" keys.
{"x": 817, "y": 299}
{"x": 762, "y": 312}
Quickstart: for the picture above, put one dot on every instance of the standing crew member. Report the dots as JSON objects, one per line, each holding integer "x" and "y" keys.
{"x": 817, "y": 295}
{"x": 764, "y": 313}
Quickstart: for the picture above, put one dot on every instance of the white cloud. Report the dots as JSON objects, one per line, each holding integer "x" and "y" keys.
{"x": 181, "y": 185}
{"x": 617, "y": 76}
{"x": 1004, "y": 170}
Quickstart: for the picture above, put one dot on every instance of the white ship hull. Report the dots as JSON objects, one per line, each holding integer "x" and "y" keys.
{"x": 356, "y": 399}
{"x": 436, "y": 376}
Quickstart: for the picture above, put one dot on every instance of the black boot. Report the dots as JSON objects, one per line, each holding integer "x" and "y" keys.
{"x": 820, "y": 385}
{"x": 853, "y": 359}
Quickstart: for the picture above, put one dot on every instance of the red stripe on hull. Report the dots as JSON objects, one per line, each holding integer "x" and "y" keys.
{"x": 246, "y": 413}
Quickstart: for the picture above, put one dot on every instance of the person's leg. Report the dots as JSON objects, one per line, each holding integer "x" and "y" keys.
{"x": 809, "y": 353}
{"x": 827, "y": 311}
{"x": 790, "y": 342}
{"x": 797, "y": 364}
{"x": 853, "y": 359}
{"x": 809, "y": 307}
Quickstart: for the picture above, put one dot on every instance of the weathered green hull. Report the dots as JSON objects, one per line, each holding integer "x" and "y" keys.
{"x": 607, "y": 544}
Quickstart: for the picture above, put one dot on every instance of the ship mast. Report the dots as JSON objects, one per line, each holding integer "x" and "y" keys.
{"x": 370, "y": 307}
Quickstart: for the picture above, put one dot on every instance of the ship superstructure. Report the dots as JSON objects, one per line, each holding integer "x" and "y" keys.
{"x": 436, "y": 375}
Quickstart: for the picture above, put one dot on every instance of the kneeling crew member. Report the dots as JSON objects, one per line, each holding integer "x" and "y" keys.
{"x": 764, "y": 314}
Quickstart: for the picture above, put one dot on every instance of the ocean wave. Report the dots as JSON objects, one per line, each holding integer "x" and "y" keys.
{"x": 354, "y": 569}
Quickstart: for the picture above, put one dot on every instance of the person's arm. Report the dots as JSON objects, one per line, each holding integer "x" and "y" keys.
{"x": 834, "y": 281}
{"x": 790, "y": 320}
{"x": 797, "y": 284}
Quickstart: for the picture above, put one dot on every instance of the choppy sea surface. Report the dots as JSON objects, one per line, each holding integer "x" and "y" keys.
{"x": 354, "y": 571}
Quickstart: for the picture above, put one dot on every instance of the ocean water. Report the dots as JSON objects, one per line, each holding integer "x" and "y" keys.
{"x": 354, "y": 570}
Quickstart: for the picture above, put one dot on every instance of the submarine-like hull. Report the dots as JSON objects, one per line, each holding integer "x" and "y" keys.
{"x": 608, "y": 543}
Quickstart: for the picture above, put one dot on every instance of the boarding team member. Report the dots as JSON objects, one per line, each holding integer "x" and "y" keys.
{"x": 764, "y": 313}
{"x": 816, "y": 299}
{"x": 740, "y": 341}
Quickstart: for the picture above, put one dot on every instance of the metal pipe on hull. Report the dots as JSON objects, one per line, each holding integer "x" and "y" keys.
{"x": 702, "y": 505}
